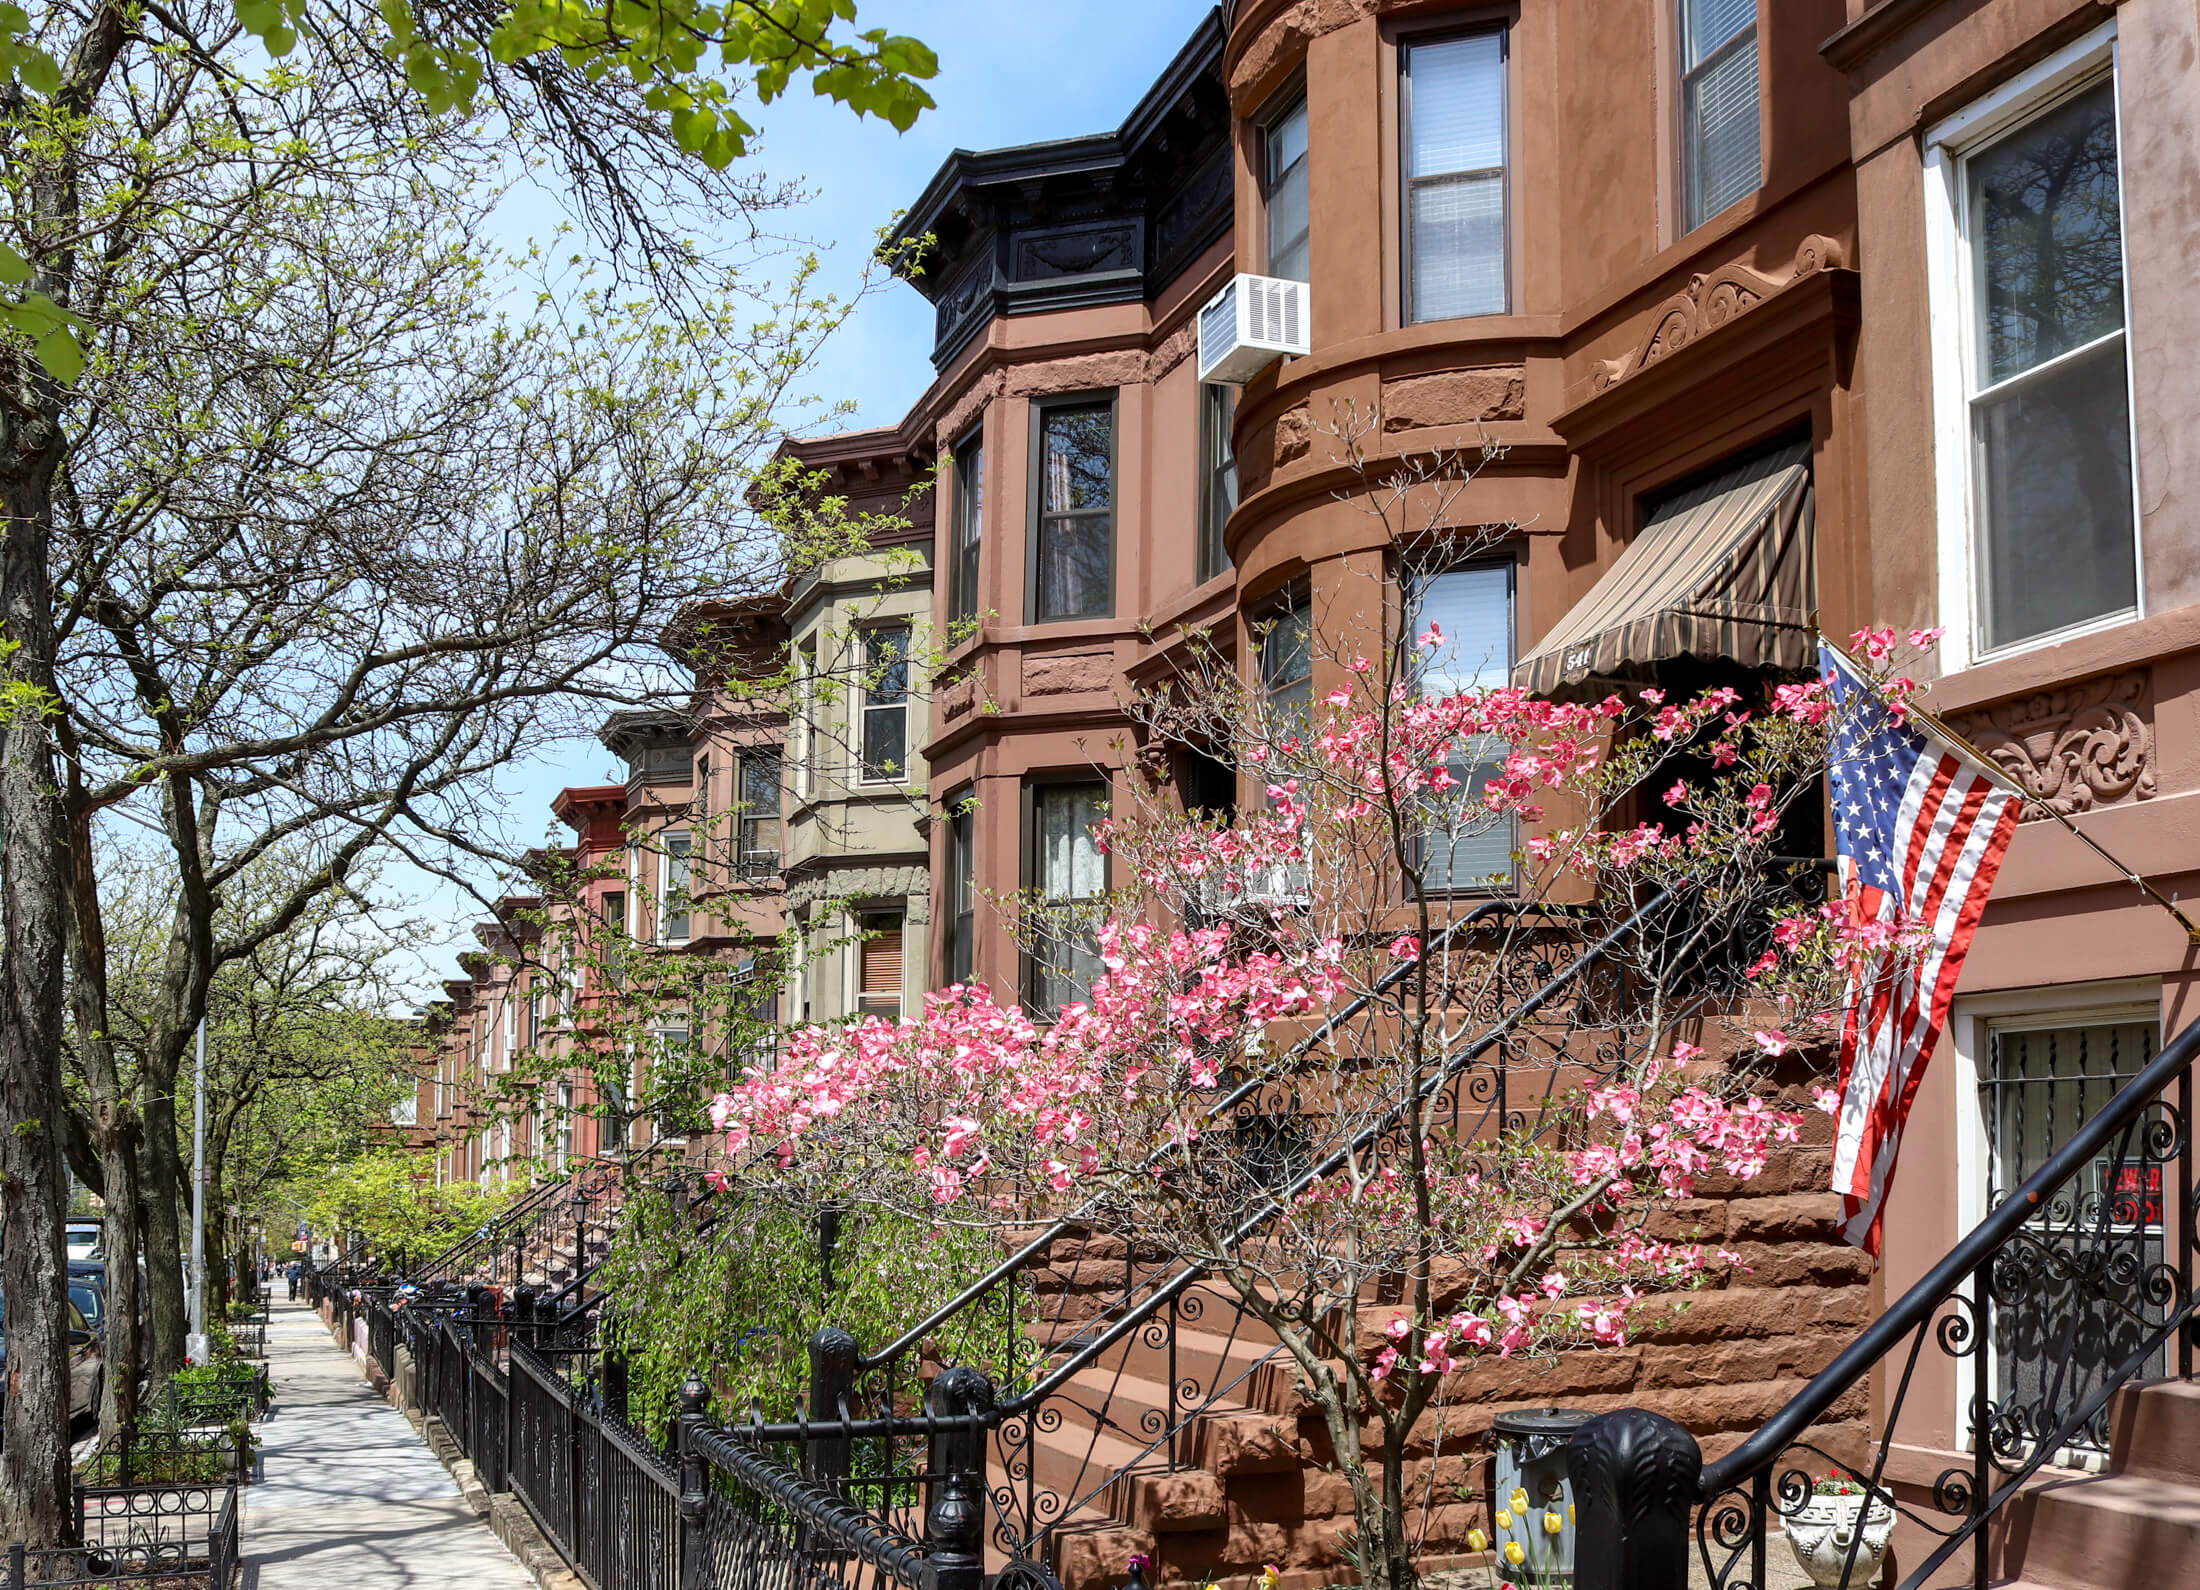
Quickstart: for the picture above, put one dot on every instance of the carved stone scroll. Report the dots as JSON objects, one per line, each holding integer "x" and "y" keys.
{"x": 1710, "y": 300}
{"x": 2074, "y": 748}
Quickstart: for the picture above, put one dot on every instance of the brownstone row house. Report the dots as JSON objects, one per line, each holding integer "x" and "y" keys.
{"x": 1893, "y": 293}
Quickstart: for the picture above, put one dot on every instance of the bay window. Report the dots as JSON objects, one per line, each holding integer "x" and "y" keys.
{"x": 1066, "y": 873}
{"x": 1452, "y": 111}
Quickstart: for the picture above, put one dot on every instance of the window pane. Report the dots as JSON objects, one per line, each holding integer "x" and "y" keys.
{"x": 1070, "y": 864}
{"x": 1073, "y": 567}
{"x": 962, "y": 895}
{"x": 1283, "y": 193}
{"x": 969, "y": 527}
{"x": 1218, "y": 486}
{"x": 1078, "y": 443}
{"x": 1725, "y": 157}
{"x": 1287, "y": 650}
{"x": 885, "y": 736}
{"x": 2047, "y": 236}
{"x": 1472, "y": 609}
{"x": 1710, "y": 23}
{"x": 1458, "y": 105}
{"x": 2055, "y": 479}
{"x": 886, "y": 666}
{"x": 1459, "y": 248}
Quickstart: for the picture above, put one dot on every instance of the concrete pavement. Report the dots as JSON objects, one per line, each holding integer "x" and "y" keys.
{"x": 352, "y": 1499}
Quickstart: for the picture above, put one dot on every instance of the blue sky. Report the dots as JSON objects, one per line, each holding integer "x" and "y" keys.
{"x": 1011, "y": 72}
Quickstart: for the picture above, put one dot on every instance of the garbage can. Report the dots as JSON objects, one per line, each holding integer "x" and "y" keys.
{"x": 1531, "y": 1467}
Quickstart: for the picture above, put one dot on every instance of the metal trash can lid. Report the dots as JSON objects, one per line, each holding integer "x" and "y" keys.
{"x": 1522, "y": 1424}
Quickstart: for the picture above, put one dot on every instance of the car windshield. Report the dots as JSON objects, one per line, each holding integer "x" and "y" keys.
{"x": 86, "y": 1298}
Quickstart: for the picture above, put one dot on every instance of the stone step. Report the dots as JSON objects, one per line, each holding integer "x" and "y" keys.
{"x": 2157, "y": 1431}
{"x": 2115, "y": 1532}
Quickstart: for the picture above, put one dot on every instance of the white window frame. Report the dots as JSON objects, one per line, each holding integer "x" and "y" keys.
{"x": 1971, "y": 1024}
{"x": 665, "y": 890}
{"x": 862, "y": 638}
{"x": 1949, "y": 289}
{"x": 805, "y": 719}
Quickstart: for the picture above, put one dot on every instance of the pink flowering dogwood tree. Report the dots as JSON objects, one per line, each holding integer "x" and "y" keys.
{"x": 1479, "y": 1097}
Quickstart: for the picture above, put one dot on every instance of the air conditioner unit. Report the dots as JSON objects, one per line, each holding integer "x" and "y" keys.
{"x": 1251, "y": 323}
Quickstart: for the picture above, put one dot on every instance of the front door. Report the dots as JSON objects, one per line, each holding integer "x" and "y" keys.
{"x": 2070, "y": 1296}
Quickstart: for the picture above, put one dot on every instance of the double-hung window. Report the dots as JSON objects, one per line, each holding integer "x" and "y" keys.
{"x": 1067, "y": 873}
{"x": 2037, "y": 497}
{"x": 1285, "y": 643}
{"x": 1283, "y": 190}
{"x": 967, "y": 528}
{"x": 672, "y": 904}
{"x": 886, "y": 704}
{"x": 1722, "y": 146}
{"x": 1463, "y": 844}
{"x": 879, "y": 965}
{"x": 1452, "y": 99}
{"x": 756, "y": 830}
{"x": 1218, "y": 484}
{"x": 962, "y": 893}
{"x": 1073, "y": 511}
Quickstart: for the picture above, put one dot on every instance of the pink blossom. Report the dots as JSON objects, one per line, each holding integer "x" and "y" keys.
{"x": 1826, "y": 1099}
{"x": 1773, "y": 1041}
{"x": 1405, "y": 947}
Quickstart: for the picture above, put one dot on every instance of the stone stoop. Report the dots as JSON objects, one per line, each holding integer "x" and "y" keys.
{"x": 2136, "y": 1527}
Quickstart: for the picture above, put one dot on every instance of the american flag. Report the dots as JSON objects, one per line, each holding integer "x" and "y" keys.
{"x": 1921, "y": 826}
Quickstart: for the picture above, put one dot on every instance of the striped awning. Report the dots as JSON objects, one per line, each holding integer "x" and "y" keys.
{"x": 1725, "y": 569}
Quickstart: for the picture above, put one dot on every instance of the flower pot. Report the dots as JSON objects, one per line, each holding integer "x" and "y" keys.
{"x": 1820, "y": 1535}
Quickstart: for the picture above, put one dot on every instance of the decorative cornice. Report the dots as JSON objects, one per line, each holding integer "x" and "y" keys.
{"x": 1711, "y": 300}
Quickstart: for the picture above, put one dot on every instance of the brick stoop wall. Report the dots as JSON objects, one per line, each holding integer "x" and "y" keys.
{"x": 1261, "y": 1489}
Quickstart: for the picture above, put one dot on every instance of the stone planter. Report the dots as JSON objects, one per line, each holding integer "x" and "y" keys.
{"x": 1821, "y": 1532}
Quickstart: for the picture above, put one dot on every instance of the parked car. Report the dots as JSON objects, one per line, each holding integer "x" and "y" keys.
{"x": 86, "y": 1239}
{"x": 86, "y": 1364}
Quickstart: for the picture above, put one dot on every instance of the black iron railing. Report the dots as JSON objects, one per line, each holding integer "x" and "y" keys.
{"x": 2086, "y": 1268}
{"x": 164, "y": 1537}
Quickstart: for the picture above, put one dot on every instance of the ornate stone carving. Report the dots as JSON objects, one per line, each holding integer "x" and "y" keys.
{"x": 1454, "y": 397}
{"x": 1067, "y": 673}
{"x": 1077, "y": 250}
{"x": 1711, "y": 300}
{"x": 963, "y": 299}
{"x": 1196, "y": 208}
{"x": 2075, "y": 748}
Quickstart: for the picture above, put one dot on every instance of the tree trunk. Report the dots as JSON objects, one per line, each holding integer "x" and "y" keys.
{"x": 34, "y": 1428}
{"x": 164, "y": 1252}
{"x": 124, "y": 1349}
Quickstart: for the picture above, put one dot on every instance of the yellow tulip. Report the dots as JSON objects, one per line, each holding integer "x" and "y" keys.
{"x": 1570, "y": 1514}
{"x": 1552, "y": 1523}
{"x": 1513, "y": 1553}
{"x": 1477, "y": 1541}
{"x": 1519, "y": 1501}
{"x": 1504, "y": 1519}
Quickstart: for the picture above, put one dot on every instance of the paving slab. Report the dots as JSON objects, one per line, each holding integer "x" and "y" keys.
{"x": 350, "y": 1497}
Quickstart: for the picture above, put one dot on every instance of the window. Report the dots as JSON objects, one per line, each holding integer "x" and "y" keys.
{"x": 879, "y": 993}
{"x": 756, "y": 832}
{"x": 702, "y": 790}
{"x": 1283, "y": 190}
{"x": 534, "y": 1013}
{"x": 1286, "y": 643}
{"x": 1217, "y": 475}
{"x": 968, "y": 529}
{"x": 1722, "y": 145}
{"x": 1452, "y": 104}
{"x": 511, "y": 1016}
{"x": 805, "y": 719}
{"x": 2036, "y": 490}
{"x": 1464, "y": 845}
{"x": 672, "y": 903}
{"x": 886, "y": 704}
{"x": 1065, "y": 867}
{"x": 962, "y": 893}
{"x": 1073, "y": 533}
{"x": 614, "y": 938}
{"x": 565, "y": 1124}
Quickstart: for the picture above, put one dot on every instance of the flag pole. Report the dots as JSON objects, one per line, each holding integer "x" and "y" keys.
{"x": 1994, "y": 769}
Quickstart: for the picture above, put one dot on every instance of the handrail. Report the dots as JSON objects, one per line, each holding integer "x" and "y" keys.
{"x": 1337, "y": 1157}
{"x": 1916, "y": 1306}
{"x": 1078, "y": 1217}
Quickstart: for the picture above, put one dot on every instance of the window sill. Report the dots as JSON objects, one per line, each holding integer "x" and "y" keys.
{"x": 2067, "y": 657}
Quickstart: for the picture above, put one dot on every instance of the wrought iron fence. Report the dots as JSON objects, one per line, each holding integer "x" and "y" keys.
{"x": 2077, "y": 1283}
{"x": 175, "y": 1537}
{"x": 132, "y": 1457}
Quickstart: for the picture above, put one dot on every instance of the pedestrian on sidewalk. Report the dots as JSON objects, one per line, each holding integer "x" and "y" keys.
{"x": 291, "y": 1276}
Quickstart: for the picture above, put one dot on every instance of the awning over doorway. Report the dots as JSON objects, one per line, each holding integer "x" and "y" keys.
{"x": 1724, "y": 569}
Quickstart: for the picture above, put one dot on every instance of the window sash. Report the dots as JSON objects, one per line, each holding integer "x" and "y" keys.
{"x": 885, "y": 755}
{"x": 961, "y": 897}
{"x": 1706, "y": 198}
{"x": 1287, "y": 221}
{"x": 1218, "y": 476}
{"x": 1072, "y": 553}
{"x": 969, "y": 529}
{"x": 1441, "y": 282}
{"x": 1067, "y": 867}
{"x": 1479, "y": 859}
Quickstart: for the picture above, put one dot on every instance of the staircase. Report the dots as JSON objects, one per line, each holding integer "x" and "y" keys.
{"x": 2138, "y": 1525}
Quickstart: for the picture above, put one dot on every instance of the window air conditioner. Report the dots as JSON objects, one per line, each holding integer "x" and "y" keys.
{"x": 1251, "y": 323}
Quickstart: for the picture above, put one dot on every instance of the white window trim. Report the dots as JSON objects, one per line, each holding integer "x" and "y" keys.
{"x": 864, "y": 709}
{"x": 1970, "y": 1032}
{"x": 1948, "y": 287}
{"x": 664, "y": 888}
{"x": 805, "y": 720}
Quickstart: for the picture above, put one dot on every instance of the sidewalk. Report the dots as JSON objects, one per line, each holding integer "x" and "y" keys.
{"x": 352, "y": 1499}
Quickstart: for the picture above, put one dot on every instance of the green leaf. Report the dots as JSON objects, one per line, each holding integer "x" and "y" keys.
{"x": 15, "y": 270}
{"x": 59, "y": 353}
{"x": 280, "y": 42}
{"x": 39, "y": 74}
